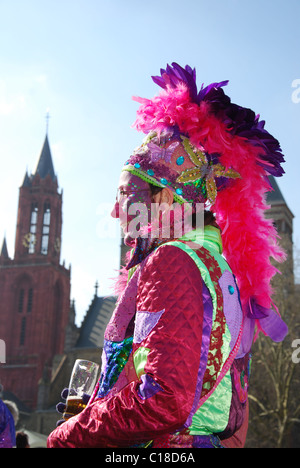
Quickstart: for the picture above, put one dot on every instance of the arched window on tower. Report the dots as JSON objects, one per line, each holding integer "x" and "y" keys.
{"x": 21, "y": 300}
{"x": 23, "y": 331}
{"x": 46, "y": 229}
{"x": 33, "y": 224}
{"x": 24, "y": 306}
{"x": 29, "y": 300}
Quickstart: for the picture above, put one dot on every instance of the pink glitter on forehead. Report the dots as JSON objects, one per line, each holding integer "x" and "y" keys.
{"x": 137, "y": 189}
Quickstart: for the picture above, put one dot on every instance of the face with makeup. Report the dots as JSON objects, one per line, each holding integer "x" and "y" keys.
{"x": 133, "y": 205}
{"x": 133, "y": 199}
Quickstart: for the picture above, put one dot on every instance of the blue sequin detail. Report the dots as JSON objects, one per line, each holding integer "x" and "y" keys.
{"x": 180, "y": 160}
{"x": 179, "y": 191}
{"x": 137, "y": 165}
{"x": 231, "y": 289}
{"x": 164, "y": 181}
{"x": 116, "y": 356}
{"x": 150, "y": 172}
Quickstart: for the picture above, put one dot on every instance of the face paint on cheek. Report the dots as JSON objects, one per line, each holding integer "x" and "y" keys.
{"x": 136, "y": 207}
{"x": 139, "y": 211}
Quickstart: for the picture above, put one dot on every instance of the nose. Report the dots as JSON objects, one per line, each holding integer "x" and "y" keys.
{"x": 115, "y": 211}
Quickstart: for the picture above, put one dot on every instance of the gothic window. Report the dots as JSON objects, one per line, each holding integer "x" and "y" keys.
{"x": 33, "y": 224}
{"x": 23, "y": 331}
{"x": 29, "y": 300}
{"x": 46, "y": 229}
{"x": 24, "y": 306}
{"x": 21, "y": 301}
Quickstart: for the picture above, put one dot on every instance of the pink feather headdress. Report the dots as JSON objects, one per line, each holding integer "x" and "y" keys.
{"x": 232, "y": 137}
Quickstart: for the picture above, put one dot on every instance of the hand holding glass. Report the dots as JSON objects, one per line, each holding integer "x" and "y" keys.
{"x": 82, "y": 382}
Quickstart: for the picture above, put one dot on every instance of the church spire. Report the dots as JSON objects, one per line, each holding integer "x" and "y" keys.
{"x": 40, "y": 211}
{"x": 4, "y": 251}
{"x": 275, "y": 196}
{"x": 45, "y": 164}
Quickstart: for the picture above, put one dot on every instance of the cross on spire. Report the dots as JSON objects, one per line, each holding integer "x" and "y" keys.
{"x": 47, "y": 120}
{"x": 96, "y": 288}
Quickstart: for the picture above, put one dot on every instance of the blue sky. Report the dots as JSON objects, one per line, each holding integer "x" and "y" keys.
{"x": 84, "y": 60}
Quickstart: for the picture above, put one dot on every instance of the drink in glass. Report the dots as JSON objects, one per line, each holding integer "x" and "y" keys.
{"x": 82, "y": 382}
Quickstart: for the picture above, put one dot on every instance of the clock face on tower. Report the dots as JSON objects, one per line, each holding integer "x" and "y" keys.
{"x": 57, "y": 245}
{"x": 29, "y": 239}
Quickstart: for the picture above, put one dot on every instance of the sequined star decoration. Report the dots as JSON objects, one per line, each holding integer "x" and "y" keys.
{"x": 204, "y": 170}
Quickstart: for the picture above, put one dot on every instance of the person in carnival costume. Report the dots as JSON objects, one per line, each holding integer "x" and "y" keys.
{"x": 7, "y": 424}
{"x": 177, "y": 350}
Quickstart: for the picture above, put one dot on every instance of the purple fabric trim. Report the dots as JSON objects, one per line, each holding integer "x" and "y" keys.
{"x": 247, "y": 338}
{"x": 274, "y": 326}
{"x": 148, "y": 387}
{"x": 269, "y": 320}
{"x": 231, "y": 305}
{"x": 144, "y": 324}
{"x": 124, "y": 311}
{"x": 256, "y": 311}
{"x": 207, "y": 326}
{"x": 209, "y": 441}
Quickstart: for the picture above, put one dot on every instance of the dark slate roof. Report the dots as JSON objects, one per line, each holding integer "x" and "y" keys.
{"x": 26, "y": 181}
{"x": 95, "y": 322}
{"x": 4, "y": 251}
{"x": 275, "y": 197}
{"x": 45, "y": 164}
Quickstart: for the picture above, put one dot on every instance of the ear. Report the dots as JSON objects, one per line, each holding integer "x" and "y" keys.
{"x": 164, "y": 196}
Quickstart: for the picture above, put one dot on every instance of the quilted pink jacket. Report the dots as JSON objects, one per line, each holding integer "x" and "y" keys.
{"x": 175, "y": 329}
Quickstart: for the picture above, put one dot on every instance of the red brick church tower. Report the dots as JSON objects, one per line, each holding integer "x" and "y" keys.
{"x": 34, "y": 286}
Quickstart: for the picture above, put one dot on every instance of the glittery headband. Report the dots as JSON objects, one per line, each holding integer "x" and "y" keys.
{"x": 169, "y": 160}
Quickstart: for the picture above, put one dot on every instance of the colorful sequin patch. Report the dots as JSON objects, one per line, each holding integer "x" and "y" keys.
{"x": 115, "y": 356}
